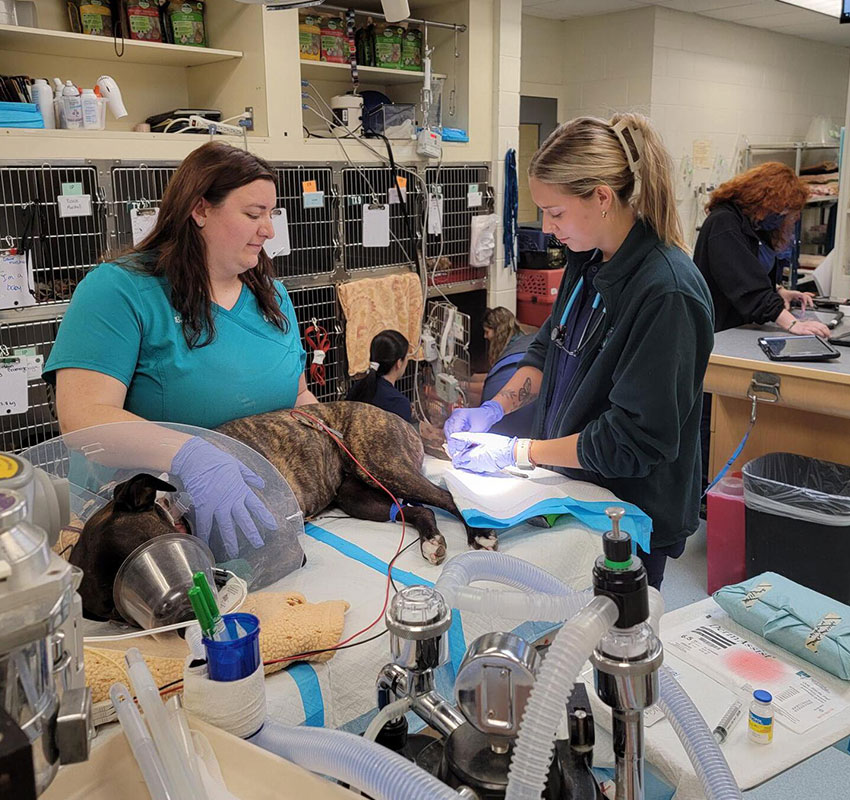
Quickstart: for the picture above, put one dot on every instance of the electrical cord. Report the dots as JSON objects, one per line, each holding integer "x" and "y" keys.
{"x": 316, "y": 423}
{"x": 422, "y": 266}
{"x": 402, "y": 196}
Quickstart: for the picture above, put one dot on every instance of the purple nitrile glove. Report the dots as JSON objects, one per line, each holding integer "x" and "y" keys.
{"x": 219, "y": 486}
{"x": 474, "y": 420}
{"x": 484, "y": 452}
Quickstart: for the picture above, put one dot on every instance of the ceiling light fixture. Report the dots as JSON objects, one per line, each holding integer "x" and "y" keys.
{"x": 830, "y": 8}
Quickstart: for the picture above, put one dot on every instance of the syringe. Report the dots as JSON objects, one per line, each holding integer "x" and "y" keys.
{"x": 732, "y": 715}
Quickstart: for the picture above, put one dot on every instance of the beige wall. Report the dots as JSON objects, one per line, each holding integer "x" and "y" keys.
{"x": 607, "y": 64}
{"x": 543, "y": 48}
{"x": 592, "y": 65}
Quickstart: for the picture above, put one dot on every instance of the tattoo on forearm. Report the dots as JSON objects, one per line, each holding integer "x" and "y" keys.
{"x": 525, "y": 394}
{"x": 515, "y": 399}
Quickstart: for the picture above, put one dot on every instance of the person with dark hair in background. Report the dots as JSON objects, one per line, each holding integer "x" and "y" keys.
{"x": 189, "y": 327}
{"x": 388, "y": 356}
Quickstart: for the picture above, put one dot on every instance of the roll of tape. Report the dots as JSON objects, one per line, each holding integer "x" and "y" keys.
{"x": 238, "y": 707}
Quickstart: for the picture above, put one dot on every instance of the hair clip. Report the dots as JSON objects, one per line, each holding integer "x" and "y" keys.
{"x": 636, "y": 136}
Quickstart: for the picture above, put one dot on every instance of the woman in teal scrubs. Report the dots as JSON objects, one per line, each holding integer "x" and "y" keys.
{"x": 189, "y": 327}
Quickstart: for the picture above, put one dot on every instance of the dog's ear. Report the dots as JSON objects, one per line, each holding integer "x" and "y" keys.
{"x": 139, "y": 493}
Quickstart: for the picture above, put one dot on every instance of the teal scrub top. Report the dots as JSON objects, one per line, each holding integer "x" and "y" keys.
{"x": 120, "y": 322}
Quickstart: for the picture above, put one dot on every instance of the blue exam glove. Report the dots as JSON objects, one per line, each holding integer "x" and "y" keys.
{"x": 219, "y": 487}
{"x": 474, "y": 420}
{"x": 483, "y": 452}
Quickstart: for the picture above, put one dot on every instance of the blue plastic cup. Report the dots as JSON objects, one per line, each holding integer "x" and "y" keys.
{"x": 238, "y": 658}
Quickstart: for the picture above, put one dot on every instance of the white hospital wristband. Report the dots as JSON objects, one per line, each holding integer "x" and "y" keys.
{"x": 523, "y": 459}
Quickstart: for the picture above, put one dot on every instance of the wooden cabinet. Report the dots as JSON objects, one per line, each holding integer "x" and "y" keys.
{"x": 254, "y": 63}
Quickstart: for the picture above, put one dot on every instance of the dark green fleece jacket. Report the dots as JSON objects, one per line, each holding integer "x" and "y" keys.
{"x": 636, "y": 397}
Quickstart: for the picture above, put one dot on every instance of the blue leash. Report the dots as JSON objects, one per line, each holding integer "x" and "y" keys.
{"x": 738, "y": 450}
{"x": 510, "y": 212}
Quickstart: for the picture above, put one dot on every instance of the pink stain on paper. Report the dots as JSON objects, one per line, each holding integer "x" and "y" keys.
{"x": 753, "y": 666}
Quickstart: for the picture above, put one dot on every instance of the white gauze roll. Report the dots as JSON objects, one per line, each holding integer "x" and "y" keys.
{"x": 238, "y": 707}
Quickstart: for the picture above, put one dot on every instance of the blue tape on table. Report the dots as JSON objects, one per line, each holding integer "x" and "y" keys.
{"x": 311, "y": 693}
{"x": 457, "y": 643}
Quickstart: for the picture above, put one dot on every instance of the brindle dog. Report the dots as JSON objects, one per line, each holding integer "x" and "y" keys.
{"x": 129, "y": 520}
{"x": 321, "y": 474}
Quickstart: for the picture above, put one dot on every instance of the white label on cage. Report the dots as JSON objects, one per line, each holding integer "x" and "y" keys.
{"x": 314, "y": 199}
{"x": 74, "y": 205}
{"x": 13, "y": 389}
{"x": 142, "y": 221}
{"x": 376, "y": 225}
{"x": 392, "y": 196}
{"x": 34, "y": 366}
{"x": 279, "y": 245}
{"x": 435, "y": 214}
{"x": 15, "y": 281}
{"x": 474, "y": 199}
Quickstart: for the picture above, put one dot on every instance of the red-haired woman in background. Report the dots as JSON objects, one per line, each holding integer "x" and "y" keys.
{"x": 739, "y": 250}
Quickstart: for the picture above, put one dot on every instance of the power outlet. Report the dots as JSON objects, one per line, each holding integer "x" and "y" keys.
{"x": 248, "y": 120}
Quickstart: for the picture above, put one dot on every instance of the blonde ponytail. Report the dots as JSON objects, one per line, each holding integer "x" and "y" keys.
{"x": 625, "y": 153}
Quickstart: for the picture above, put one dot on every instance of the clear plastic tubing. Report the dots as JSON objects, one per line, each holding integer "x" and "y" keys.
{"x": 541, "y": 597}
{"x": 708, "y": 760}
{"x": 384, "y": 715}
{"x": 178, "y": 772}
{"x": 144, "y": 750}
{"x": 375, "y": 770}
{"x": 567, "y": 654}
{"x": 555, "y": 600}
{"x": 180, "y": 724}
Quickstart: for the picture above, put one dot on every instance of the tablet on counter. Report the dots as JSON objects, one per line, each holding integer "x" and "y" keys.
{"x": 797, "y": 348}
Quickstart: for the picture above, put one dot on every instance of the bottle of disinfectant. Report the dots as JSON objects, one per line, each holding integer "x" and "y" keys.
{"x": 72, "y": 106}
{"x": 761, "y": 717}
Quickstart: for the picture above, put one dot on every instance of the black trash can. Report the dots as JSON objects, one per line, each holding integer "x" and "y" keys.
{"x": 798, "y": 521}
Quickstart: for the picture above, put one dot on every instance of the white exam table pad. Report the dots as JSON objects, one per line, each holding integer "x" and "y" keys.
{"x": 751, "y": 763}
{"x": 341, "y": 692}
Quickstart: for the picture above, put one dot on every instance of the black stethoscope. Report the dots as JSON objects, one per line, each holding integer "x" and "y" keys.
{"x": 559, "y": 332}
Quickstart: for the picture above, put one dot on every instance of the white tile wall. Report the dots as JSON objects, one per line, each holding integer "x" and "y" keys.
{"x": 719, "y": 82}
{"x": 607, "y": 64}
{"x": 699, "y": 79}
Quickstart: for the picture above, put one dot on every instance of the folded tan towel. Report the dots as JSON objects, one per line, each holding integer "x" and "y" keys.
{"x": 288, "y": 625}
{"x": 372, "y": 305}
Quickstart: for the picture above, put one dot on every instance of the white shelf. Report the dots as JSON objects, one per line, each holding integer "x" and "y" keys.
{"x": 821, "y": 201}
{"x": 330, "y": 71}
{"x": 102, "y": 48}
{"x": 794, "y": 146}
{"x": 82, "y": 133}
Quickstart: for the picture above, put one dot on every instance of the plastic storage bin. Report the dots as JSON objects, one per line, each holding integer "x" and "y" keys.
{"x": 532, "y": 245}
{"x": 726, "y": 533}
{"x": 536, "y": 292}
{"x": 798, "y": 521}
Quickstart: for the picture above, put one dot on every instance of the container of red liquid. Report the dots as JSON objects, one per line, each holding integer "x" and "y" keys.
{"x": 726, "y": 533}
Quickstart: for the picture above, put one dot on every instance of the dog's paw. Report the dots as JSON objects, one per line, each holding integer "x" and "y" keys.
{"x": 485, "y": 542}
{"x": 434, "y": 549}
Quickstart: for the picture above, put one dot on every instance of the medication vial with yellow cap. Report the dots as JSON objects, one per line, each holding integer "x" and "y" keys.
{"x": 761, "y": 717}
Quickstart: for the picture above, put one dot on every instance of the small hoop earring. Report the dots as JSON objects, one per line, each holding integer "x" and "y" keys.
{"x": 604, "y": 214}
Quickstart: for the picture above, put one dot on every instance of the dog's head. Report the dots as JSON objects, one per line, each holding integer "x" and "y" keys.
{"x": 130, "y": 519}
